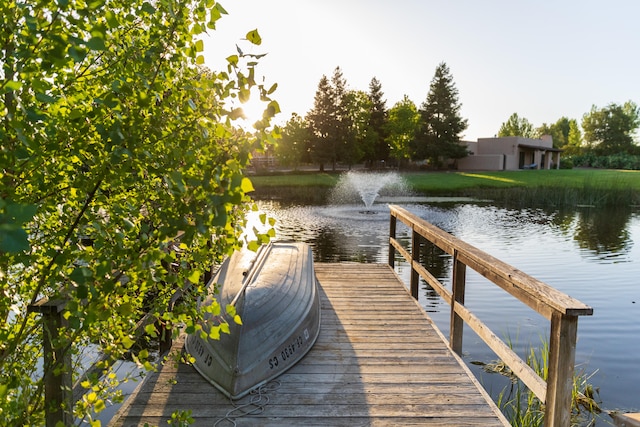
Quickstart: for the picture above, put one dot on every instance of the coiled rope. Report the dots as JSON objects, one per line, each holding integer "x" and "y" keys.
{"x": 258, "y": 399}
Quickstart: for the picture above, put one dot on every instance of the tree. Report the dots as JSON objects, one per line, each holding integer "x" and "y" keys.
{"x": 565, "y": 134}
{"x": 322, "y": 122}
{"x": 610, "y": 130}
{"x": 442, "y": 124}
{"x": 329, "y": 121}
{"x": 119, "y": 161}
{"x": 401, "y": 128}
{"x": 377, "y": 122}
{"x": 293, "y": 146}
{"x": 517, "y": 126}
{"x": 360, "y": 142}
{"x": 344, "y": 131}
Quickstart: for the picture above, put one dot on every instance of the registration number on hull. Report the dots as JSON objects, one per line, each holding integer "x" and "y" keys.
{"x": 294, "y": 346}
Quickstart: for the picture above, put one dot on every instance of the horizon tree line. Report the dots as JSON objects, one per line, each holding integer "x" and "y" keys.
{"x": 352, "y": 126}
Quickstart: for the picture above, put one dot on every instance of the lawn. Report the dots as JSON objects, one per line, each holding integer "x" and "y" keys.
{"x": 439, "y": 182}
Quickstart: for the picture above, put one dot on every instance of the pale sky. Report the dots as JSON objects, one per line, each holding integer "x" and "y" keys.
{"x": 542, "y": 59}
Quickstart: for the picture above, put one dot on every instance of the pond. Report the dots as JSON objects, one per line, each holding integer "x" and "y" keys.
{"x": 591, "y": 254}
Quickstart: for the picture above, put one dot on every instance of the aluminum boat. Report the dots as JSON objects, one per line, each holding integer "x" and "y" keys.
{"x": 274, "y": 291}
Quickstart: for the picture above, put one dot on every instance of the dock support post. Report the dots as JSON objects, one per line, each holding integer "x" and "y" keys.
{"x": 415, "y": 258}
{"x": 392, "y": 236}
{"x": 562, "y": 350}
{"x": 58, "y": 394}
{"x": 458, "y": 289}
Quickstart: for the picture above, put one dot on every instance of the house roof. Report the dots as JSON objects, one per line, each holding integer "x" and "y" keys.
{"x": 538, "y": 147}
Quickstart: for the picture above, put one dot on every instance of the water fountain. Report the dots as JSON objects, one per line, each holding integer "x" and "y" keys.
{"x": 366, "y": 186}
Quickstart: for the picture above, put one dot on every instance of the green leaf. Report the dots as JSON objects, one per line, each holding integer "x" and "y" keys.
{"x": 151, "y": 330}
{"x": 43, "y": 97}
{"x": 200, "y": 59}
{"x": 96, "y": 43}
{"x": 80, "y": 275}
{"x": 254, "y": 37}
{"x": 246, "y": 185}
{"x": 12, "y": 239}
{"x": 12, "y": 85}
{"x": 199, "y": 46}
{"x": 112, "y": 19}
{"x": 233, "y": 59}
{"x": 194, "y": 277}
{"x": 127, "y": 342}
{"x": 146, "y": 7}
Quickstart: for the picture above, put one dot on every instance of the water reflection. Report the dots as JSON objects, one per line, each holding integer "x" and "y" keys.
{"x": 588, "y": 254}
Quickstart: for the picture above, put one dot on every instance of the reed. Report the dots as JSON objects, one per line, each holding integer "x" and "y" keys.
{"x": 523, "y": 409}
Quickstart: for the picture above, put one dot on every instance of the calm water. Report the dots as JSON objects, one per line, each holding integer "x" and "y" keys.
{"x": 592, "y": 255}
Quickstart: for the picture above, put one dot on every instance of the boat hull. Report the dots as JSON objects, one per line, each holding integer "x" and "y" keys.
{"x": 275, "y": 294}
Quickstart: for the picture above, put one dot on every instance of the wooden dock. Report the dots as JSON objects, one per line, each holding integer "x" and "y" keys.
{"x": 379, "y": 360}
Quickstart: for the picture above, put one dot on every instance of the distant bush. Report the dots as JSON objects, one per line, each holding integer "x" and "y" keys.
{"x": 566, "y": 163}
{"x": 614, "y": 161}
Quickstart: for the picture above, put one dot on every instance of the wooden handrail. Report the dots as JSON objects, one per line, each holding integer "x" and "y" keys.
{"x": 559, "y": 308}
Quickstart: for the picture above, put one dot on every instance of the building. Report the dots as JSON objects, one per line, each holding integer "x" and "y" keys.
{"x": 510, "y": 153}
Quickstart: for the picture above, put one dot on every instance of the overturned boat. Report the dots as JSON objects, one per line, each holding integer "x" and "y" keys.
{"x": 275, "y": 293}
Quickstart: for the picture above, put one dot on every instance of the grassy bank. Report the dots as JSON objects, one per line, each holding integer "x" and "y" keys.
{"x": 526, "y": 188}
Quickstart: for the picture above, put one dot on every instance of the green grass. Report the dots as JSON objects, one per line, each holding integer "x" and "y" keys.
{"x": 572, "y": 187}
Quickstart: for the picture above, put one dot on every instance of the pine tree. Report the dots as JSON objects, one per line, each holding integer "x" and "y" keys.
{"x": 377, "y": 122}
{"x": 330, "y": 122}
{"x": 439, "y": 137}
{"x": 321, "y": 120}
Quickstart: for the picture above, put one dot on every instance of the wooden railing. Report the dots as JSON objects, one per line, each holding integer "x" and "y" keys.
{"x": 560, "y": 309}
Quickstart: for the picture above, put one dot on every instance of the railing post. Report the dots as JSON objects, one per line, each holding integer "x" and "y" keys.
{"x": 392, "y": 235}
{"x": 57, "y": 377}
{"x": 415, "y": 256}
{"x": 458, "y": 289}
{"x": 562, "y": 350}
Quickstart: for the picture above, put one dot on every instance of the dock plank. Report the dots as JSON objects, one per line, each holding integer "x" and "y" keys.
{"x": 378, "y": 361}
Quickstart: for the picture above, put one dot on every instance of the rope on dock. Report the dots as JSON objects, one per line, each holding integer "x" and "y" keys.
{"x": 259, "y": 399}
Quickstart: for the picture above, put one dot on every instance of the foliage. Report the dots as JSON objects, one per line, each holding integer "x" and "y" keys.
{"x": 565, "y": 134}
{"x": 517, "y": 126}
{"x": 615, "y": 161}
{"x": 401, "y": 128}
{"x": 119, "y": 161}
{"x": 610, "y": 130}
{"x": 292, "y": 148}
{"x": 361, "y": 140}
{"x": 442, "y": 124}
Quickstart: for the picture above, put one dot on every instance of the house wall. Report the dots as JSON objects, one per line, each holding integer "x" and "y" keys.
{"x": 481, "y": 162}
{"x": 504, "y": 153}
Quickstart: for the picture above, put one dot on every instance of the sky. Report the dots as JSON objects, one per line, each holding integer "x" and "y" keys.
{"x": 541, "y": 59}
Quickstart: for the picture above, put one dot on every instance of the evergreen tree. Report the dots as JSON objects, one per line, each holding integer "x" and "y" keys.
{"x": 321, "y": 121}
{"x": 439, "y": 136}
{"x": 329, "y": 121}
{"x": 377, "y": 122}
{"x": 344, "y": 133}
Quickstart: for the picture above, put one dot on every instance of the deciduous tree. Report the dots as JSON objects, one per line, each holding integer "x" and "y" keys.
{"x": 610, "y": 130}
{"x": 517, "y": 126}
{"x": 401, "y": 128}
{"x": 293, "y": 146}
{"x": 121, "y": 178}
